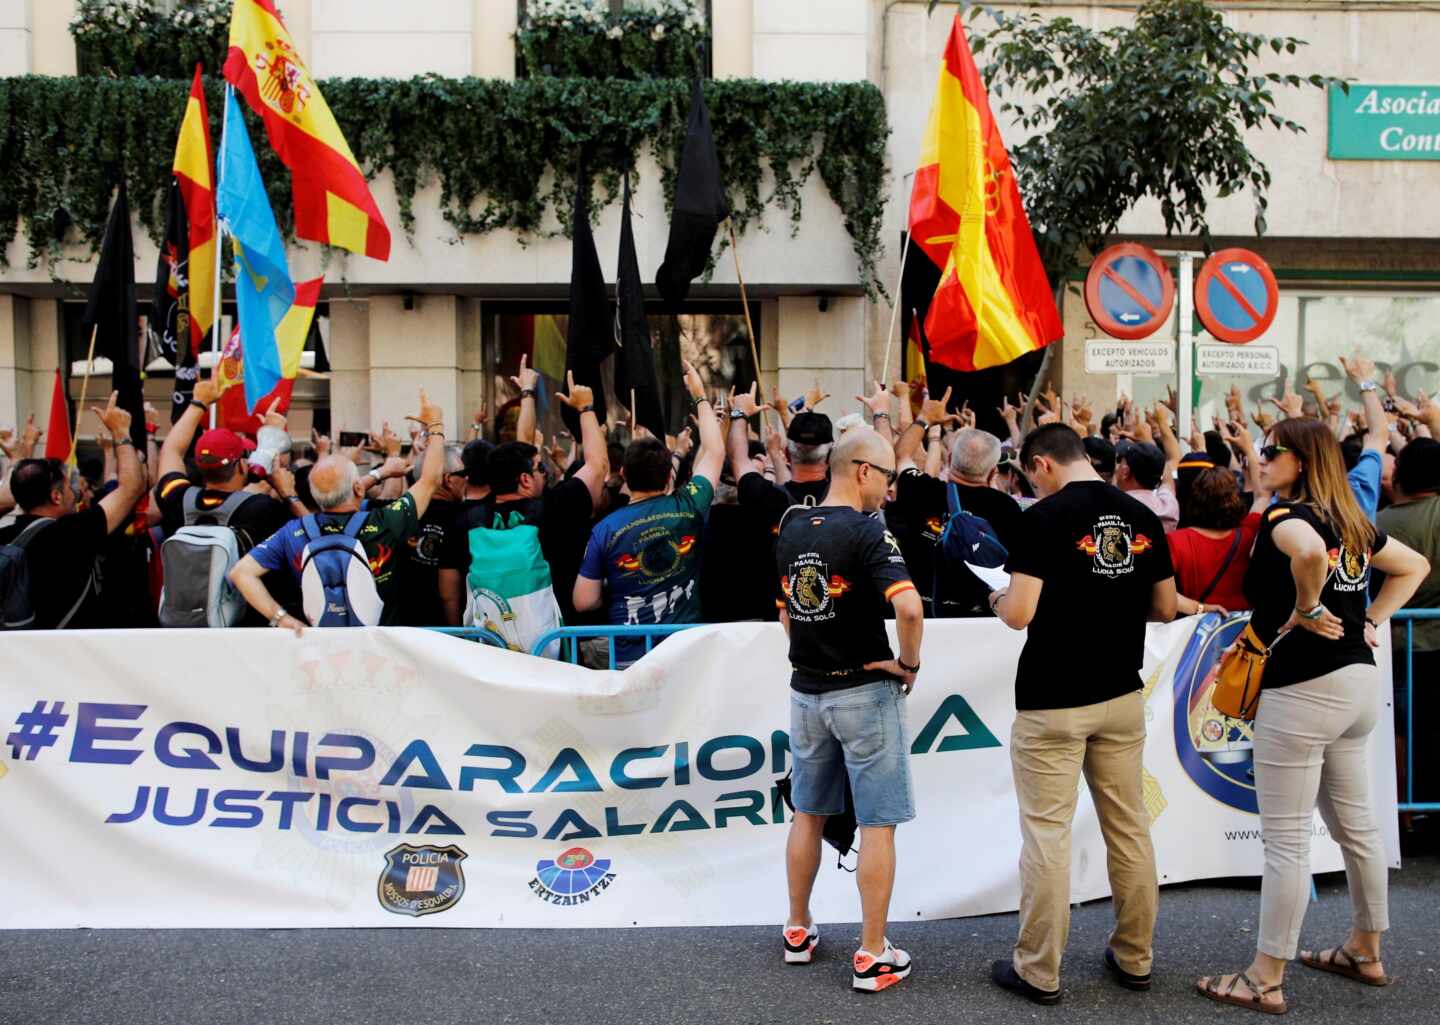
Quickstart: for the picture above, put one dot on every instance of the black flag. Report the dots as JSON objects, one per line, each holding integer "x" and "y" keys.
{"x": 112, "y": 313}
{"x": 700, "y": 206}
{"x": 635, "y": 369}
{"x": 590, "y": 335}
{"x": 170, "y": 309}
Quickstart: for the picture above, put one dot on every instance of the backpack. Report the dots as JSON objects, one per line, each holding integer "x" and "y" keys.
{"x": 17, "y": 608}
{"x": 967, "y": 541}
{"x": 337, "y": 585}
{"x": 196, "y": 560}
{"x": 509, "y": 591}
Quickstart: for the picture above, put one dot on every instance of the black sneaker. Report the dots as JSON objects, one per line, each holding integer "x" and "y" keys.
{"x": 1139, "y": 983}
{"x": 1004, "y": 975}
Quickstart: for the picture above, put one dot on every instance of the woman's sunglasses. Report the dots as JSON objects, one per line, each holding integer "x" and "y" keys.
{"x": 1269, "y": 452}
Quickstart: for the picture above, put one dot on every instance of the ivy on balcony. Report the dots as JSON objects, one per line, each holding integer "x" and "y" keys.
{"x": 504, "y": 153}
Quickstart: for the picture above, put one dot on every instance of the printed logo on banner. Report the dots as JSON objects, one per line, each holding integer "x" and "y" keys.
{"x": 422, "y": 880}
{"x": 575, "y": 877}
{"x": 1217, "y": 752}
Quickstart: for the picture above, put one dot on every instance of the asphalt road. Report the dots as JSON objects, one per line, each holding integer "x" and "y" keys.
{"x": 731, "y": 975}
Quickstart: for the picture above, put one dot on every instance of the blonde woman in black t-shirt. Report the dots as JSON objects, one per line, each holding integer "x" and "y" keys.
{"x": 1308, "y": 581}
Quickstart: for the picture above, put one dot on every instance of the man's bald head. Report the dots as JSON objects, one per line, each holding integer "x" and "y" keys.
{"x": 332, "y": 481}
{"x": 860, "y": 443}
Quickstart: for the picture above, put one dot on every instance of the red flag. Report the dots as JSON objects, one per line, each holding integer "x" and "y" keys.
{"x": 57, "y": 435}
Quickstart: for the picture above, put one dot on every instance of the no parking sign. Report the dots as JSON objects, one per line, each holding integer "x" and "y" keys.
{"x": 1129, "y": 291}
{"x": 1236, "y": 296}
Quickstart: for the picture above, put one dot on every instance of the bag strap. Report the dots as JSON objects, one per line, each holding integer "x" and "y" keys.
{"x": 31, "y": 529}
{"x": 1219, "y": 575}
{"x": 310, "y": 526}
{"x": 84, "y": 593}
{"x": 356, "y": 524}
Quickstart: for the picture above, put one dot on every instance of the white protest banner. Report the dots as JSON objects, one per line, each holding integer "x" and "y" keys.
{"x": 401, "y": 777}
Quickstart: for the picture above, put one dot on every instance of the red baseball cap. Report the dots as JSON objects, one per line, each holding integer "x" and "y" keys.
{"x": 219, "y": 447}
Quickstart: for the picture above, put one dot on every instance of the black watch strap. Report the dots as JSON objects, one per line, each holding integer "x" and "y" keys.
{"x": 909, "y": 669}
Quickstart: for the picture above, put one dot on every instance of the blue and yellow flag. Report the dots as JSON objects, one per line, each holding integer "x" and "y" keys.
{"x": 263, "y": 289}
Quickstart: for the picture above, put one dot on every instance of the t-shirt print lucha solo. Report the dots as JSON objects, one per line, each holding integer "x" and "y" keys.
{"x": 838, "y": 571}
{"x": 1100, "y": 553}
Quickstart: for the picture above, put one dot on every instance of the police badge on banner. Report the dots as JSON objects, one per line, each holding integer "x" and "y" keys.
{"x": 421, "y": 880}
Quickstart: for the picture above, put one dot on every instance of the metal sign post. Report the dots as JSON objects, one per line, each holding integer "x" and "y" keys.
{"x": 1184, "y": 342}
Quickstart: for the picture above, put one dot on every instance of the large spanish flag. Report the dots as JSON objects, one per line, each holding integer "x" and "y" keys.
{"x": 194, "y": 170}
{"x": 994, "y": 302}
{"x": 333, "y": 204}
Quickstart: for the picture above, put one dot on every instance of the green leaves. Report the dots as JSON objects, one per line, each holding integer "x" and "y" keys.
{"x": 504, "y": 153}
{"x": 1156, "y": 110}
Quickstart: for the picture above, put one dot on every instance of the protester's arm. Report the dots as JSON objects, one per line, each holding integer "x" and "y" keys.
{"x": 595, "y": 471}
{"x": 710, "y": 460}
{"x": 589, "y": 590}
{"x": 7, "y": 497}
{"x": 934, "y": 450}
{"x": 932, "y": 414}
{"x": 120, "y": 503}
{"x": 1377, "y": 428}
{"x": 588, "y": 593}
{"x": 246, "y": 576}
{"x": 879, "y": 407}
{"x": 1169, "y": 444}
{"x": 1405, "y": 570}
{"x": 1015, "y": 605}
{"x": 432, "y": 470}
{"x": 183, "y": 431}
{"x": 1164, "y": 601}
{"x": 779, "y": 460}
{"x": 527, "y": 380}
{"x": 739, "y": 436}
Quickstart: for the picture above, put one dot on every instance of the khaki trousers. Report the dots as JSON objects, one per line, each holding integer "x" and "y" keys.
{"x": 1048, "y": 752}
{"x": 1310, "y": 751}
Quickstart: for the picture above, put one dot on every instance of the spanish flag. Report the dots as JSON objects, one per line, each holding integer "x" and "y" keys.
{"x": 194, "y": 171}
{"x": 333, "y": 204}
{"x": 994, "y": 303}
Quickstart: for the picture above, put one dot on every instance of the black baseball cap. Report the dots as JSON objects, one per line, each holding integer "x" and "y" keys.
{"x": 475, "y": 456}
{"x": 1146, "y": 461}
{"x": 1101, "y": 453}
{"x": 809, "y": 428}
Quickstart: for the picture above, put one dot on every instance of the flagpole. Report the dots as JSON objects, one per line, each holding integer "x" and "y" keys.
{"x": 899, "y": 281}
{"x": 84, "y": 387}
{"x": 745, "y": 304}
{"x": 219, "y": 254}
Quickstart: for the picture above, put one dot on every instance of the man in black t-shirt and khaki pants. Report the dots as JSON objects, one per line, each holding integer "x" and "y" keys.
{"x": 1079, "y": 706}
{"x": 839, "y": 567}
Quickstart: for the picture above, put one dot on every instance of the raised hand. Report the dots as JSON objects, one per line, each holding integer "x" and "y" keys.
{"x": 579, "y": 395}
{"x": 815, "y": 395}
{"x": 321, "y": 443}
{"x": 115, "y": 418}
{"x": 933, "y": 411}
{"x": 1359, "y": 367}
{"x": 694, "y": 383}
{"x": 967, "y": 415}
{"x": 1263, "y": 420}
{"x": 1010, "y": 414}
{"x": 207, "y": 390}
{"x": 877, "y": 403}
{"x": 273, "y": 418}
{"x": 527, "y": 378}
{"x": 746, "y": 401}
{"x": 1291, "y": 404}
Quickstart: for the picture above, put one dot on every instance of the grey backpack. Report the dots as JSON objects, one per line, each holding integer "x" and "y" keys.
{"x": 197, "y": 558}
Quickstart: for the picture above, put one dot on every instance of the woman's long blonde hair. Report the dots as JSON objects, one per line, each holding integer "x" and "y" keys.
{"x": 1323, "y": 483}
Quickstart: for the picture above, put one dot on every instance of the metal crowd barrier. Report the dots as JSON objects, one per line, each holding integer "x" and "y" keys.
{"x": 575, "y": 634}
{"x": 1409, "y": 618}
{"x": 472, "y": 633}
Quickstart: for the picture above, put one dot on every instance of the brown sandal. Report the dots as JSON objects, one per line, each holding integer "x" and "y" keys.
{"x": 1255, "y": 1001}
{"x": 1350, "y": 968}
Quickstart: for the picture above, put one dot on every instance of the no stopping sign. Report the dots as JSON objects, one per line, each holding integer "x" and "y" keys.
{"x": 1129, "y": 291}
{"x": 1236, "y": 296}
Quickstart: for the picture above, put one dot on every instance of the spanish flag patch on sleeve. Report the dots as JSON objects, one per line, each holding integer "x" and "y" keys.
{"x": 899, "y": 587}
{"x": 1277, "y": 513}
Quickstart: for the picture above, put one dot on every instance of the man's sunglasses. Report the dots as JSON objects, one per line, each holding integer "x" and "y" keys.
{"x": 1269, "y": 452}
{"x": 890, "y": 475}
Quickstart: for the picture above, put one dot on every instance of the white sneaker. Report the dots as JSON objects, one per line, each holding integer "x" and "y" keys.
{"x": 800, "y": 943}
{"x": 872, "y": 974}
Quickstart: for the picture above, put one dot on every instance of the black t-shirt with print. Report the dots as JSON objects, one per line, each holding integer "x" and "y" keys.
{"x": 1270, "y": 588}
{"x": 918, "y": 516}
{"x": 763, "y": 503}
{"x": 418, "y": 582}
{"x": 1099, "y": 553}
{"x": 61, "y": 559}
{"x": 735, "y": 561}
{"x": 839, "y": 569}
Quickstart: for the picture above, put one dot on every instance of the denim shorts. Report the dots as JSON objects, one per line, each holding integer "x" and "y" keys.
{"x": 860, "y": 731}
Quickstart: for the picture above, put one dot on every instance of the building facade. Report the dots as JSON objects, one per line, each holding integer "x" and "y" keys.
{"x": 1354, "y": 243}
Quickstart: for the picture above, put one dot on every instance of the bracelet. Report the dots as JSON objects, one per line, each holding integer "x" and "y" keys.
{"x": 922, "y": 424}
{"x": 586, "y": 409}
{"x": 1313, "y": 614}
{"x": 279, "y": 615}
{"x": 909, "y": 669}
{"x": 292, "y": 498}
{"x": 1372, "y": 622}
{"x": 1365, "y": 386}
{"x": 527, "y": 393}
{"x": 695, "y": 400}
{"x": 995, "y": 597}
{"x": 877, "y": 416}
{"x": 432, "y": 434}
{"x": 200, "y": 405}
{"x": 121, "y": 442}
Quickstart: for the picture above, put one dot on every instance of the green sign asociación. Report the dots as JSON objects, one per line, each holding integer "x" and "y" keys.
{"x": 1385, "y": 122}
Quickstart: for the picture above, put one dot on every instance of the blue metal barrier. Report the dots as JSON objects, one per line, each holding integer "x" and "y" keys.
{"x": 574, "y": 634}
{"x": 472, "y": 633}
{"x": 1409, "y": 618}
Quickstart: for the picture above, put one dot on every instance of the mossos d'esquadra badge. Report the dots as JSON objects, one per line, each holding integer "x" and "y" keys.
{"x": 422, "y": 880}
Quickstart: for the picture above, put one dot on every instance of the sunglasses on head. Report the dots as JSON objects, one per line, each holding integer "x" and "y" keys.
{"x": 890, "y": 475}
{"x": 1269, "y": 452}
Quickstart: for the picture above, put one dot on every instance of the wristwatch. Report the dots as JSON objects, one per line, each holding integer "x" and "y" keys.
{"x": 1365, "y": 386}
{"x": 909, "y": 669}
{"x": 736, "y": 414}
{"x": 279, "y": 615}
{"x": 527, "y": 393}
{"x": 924, "y": 425}
{"x": 587, "y": 409}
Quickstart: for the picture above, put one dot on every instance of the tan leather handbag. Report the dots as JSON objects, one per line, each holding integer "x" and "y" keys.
{"x": 1237, "y": 683}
